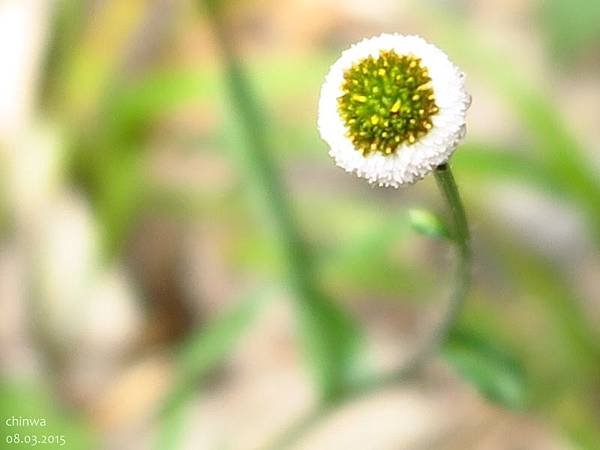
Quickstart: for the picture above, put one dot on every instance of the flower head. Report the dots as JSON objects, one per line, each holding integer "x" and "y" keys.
{"x": 393, "y": 108}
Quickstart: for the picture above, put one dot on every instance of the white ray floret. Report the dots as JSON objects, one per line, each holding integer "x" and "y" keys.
{"x": 410, "y": 161}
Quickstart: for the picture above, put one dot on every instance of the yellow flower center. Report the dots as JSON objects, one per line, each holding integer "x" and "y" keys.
{"x": 387, "y": 101}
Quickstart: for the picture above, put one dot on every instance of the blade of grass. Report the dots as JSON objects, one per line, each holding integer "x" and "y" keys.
{"x": 199, "y": 355}
{"x": 545, "y": 282}
{"x": 135, "y": 105}
{"x": 490, "y": 162}
{"x": 491, "y": 369}
{"x": 331, "y": 338}
{"x": 97, "y": 55}
{"x": 66, "y": 28}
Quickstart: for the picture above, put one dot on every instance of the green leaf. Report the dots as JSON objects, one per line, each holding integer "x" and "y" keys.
{"x": 110, "y": 159}
{"x": 542, "y": 281}
{"x": 332, "y": 342}
{"x": 497, "y": 375}
{"x": 330, "y": 336}
{"x": 34, "y": 403}
{"x": 363, "y": 261}
{"x": 118, "y": 199}
{"x": 427, "y": 223}
{"x": 65, "y": 31}
{"x": 491, "y": 162}
{"x": 202, "y": 352}
{"x": 133, "y": 106}
{"x": 561, "y": 18}
{"x": 577, "y": 415}
{"x": 208, "y": 347}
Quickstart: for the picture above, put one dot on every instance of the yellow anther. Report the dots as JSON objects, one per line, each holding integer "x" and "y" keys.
{"x": 374, "y": 119}
{"x": 415, "y": 97}
{"x": 381, "y": 72}
{"x": 396, "y": 106}
{"x": 359, "y": 98}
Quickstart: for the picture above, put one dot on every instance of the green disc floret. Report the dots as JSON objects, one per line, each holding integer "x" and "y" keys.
{"x": 387, "y": 101}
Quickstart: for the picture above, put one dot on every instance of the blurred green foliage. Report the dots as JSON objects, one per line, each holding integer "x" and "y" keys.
{"x": 201, "y": 353}
{"x": 29, "y": 401}
{"x": 330, "y": 336}
{"x": 571, "y": 27}
{"x": 426, "y": 223}
{"x": 110, "y": 117}
{"x": 493, "y": 371}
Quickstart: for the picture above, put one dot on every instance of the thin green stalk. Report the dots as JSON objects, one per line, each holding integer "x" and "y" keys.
{"x": 331, "y": 337}
{"x": 461, "y": 237}
{"x": 560, "y": 152}
{"x": 258, "y": 155}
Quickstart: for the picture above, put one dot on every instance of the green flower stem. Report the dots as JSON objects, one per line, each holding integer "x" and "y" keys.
{"x": 332, "y": 332}
{"x": 461, "y": 237}
{"x": 462, "y": 279}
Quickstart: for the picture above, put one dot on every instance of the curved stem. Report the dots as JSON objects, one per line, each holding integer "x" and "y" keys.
{"x": 461, "y": 237}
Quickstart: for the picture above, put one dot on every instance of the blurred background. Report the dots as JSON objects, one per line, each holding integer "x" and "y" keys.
{"x": 182, "y": 266}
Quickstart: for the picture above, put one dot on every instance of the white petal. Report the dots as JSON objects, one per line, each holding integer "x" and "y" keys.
{"x": 409, "y": 163}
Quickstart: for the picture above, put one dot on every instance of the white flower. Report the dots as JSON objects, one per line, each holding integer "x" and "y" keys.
{"x": 392, "y": 108}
